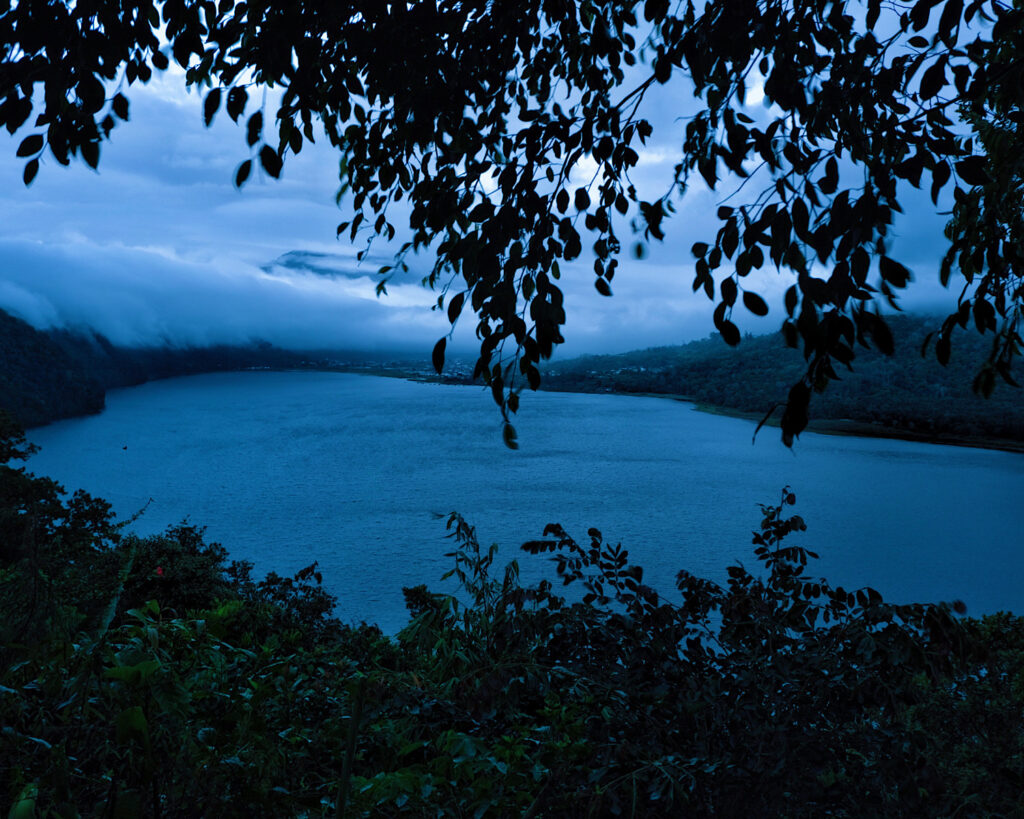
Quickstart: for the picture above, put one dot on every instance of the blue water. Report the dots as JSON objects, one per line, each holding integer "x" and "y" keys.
{"x": 291, "y": 467}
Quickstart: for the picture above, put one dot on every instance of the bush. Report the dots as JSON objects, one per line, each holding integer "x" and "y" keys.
{"x": 160, "y": 681}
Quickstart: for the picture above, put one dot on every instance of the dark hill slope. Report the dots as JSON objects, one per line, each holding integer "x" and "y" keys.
{"x": 46, "y": 376}
{"x": 39, "y": 381}
{"x": 903, "y": 392}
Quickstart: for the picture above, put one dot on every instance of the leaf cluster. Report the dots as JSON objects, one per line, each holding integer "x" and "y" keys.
{"x": 481, "y": 116}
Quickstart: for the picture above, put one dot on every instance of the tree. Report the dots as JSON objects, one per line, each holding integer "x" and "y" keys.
{"x": 477, "y": 113}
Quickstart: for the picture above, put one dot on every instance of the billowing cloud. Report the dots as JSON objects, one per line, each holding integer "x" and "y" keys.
{"x": 138, "y": 296}
{"x": 158, "y": 246}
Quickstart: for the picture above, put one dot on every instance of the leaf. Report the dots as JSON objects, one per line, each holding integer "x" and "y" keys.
{"x": 30, "y": 145}
{"x": 940, "y": 176}
{"x": 455, "y": 307}
{"x": 131, "y": 725}
{"x": 91, "y": 153}
{"x": 31, "y": 169}
{"x": 729, "y": 291}
{"x": 792, "y": 295}
{"x": 602, "y": 287}
{"x": 24, "y": 807}
{"x": 581, "y": 199}
{"x": 237, "y": 98}
{"x": 830, "y": 181}
{"x": 972, "y": 170}
{"x": 949, "y": 21}
{"x": 243, "y": 173}
{"x": 754, "y": 303}
{"x": 270, "y": 161}
{"x": 119, "y": 105}
{"x": 920, "y": 12}
{"x": 730, "y": 332}
{"x": 254, "y": 128}
{"x": 210, "y": 106}
{"x": 874, "y": 9}
{"x": 763, "y": 421}
{"x": 934, "y": 79}
{"x": 437, "y": 357}
{"x": 508, "y": 435}
{"x": 893, "y": 272}
{"x": 794, "y": 417}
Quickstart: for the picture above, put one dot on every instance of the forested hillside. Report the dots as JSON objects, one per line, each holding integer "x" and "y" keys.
{"x": 904, "y": 392}
{"x": 39, "y": 381}
{"x": 46, "y": 376}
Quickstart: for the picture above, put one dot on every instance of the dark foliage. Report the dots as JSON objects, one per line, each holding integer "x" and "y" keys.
{"x": 39, "y": 381}
{"x": 159, "y": 681}
{"x": 476, "y": 114}
{"x": 59, "y": 373}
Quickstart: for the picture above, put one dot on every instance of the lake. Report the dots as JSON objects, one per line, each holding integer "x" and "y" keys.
{"x": 285, "y": 468}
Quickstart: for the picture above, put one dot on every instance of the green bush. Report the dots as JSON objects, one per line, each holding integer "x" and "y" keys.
{"x": 160, "y": 680}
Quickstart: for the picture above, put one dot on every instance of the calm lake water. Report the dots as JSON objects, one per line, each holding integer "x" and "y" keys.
{"x": 285, "y": 468}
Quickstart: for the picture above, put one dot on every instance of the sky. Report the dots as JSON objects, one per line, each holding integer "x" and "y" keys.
{"x": 158, "y": 247}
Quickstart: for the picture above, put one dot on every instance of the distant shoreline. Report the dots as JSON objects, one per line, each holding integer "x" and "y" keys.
{"x": 830, "y": 426}
{"x": 823, "y": 426}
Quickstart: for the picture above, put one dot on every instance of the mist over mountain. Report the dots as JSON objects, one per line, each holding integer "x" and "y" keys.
{"x": 157, "y": 297}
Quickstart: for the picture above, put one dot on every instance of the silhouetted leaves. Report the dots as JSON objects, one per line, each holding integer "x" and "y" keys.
{"x": 119, "y": 105}
{"x": 972, "y": 170}
{"x": 210, "y": 106}
{"x": 479, "y": 120}
{"x": 754, "y": 303}
{"x": 270, "y": 161}
{"x": 30, "y": 145}
{"x": 455, "y": 307}
{"x": 237, "y": 98}
{"x": 243, "y": 173}
{"x": 437, "y": 356}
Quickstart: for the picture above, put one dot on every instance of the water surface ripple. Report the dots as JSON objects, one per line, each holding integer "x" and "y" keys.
{"x": 285, "y": 468}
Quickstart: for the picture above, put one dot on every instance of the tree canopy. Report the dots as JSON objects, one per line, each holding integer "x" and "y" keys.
{"x": 477, "y": 113}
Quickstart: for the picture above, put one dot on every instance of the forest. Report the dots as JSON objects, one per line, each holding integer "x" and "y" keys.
{"x": 903, "y": 394}
{"x": 47, "y": 375}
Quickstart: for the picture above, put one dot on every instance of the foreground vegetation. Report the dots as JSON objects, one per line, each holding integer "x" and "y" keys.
{"x": 152, "y": 677}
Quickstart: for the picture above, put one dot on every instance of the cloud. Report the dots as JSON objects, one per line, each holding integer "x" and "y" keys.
{"x": 159, "y": 246}
{"x": 141, "y": 296}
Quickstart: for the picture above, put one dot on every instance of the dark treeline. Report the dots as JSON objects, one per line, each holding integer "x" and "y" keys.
{"x": 39, "y": 381}
{"x": 53, "y": 374}
{"x": 905, "y": 392}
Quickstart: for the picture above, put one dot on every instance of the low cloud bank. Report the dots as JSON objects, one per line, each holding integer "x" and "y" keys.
{"x": 143, "y": 297}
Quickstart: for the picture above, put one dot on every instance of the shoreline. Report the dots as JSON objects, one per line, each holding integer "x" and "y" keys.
{"x": 822, "y": 426}
{"x": 830, "y": 426}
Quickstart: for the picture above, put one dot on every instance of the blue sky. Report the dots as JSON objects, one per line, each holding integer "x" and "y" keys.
{"x": 158, "y": 247}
